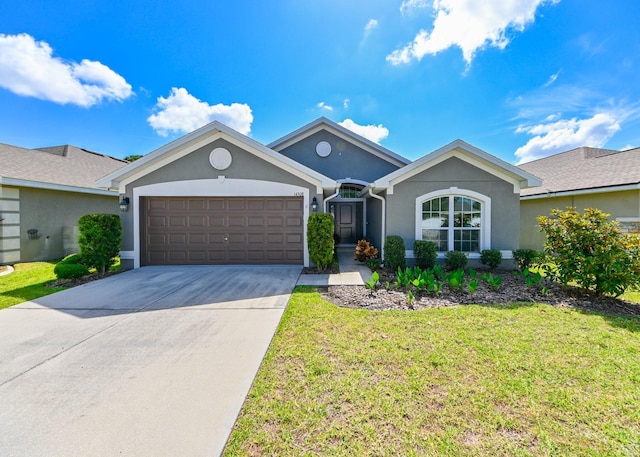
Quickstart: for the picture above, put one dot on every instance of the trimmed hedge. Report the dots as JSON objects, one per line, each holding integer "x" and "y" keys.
{"x": 70, "y": 270}
{"x": 525, "y": 258}
{"x": 394, "y": 253}
{"x": 320, "y": 239}
{"x": 456, "y": 260}
{"x": 426, "y": 253}
{"x": 491, "y": 258}
{"x": 100, "y": 236}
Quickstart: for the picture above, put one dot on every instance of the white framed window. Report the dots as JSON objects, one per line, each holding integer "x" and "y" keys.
{"x": 455, "y": 219}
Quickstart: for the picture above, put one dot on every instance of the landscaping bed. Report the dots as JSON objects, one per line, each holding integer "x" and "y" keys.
{"x": 512, "y": 290}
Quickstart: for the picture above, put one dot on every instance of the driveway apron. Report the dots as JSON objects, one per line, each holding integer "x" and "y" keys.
{"x": 151, "y": 362}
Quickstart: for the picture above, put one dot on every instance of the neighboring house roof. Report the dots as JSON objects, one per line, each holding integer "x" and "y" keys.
{"x": 463, "y": 151}
{"x": 323, "y": 123}
{"x": 584, "y": 169}
{"x": 199, "y": 138}
{"x": 66, "y": 168}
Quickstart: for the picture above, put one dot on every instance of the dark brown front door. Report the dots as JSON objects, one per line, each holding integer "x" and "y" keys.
{"x": 347, "y": 222}
{"x": 222, "y": 230}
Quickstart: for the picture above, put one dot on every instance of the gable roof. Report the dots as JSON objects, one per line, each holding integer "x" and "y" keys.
{"x": 66, "y": 168}
{"x": 323, "y": 123}
{"x": 463, "y": 151}
{"x": 583, "y": 169}
{"x": 199, "y": 138}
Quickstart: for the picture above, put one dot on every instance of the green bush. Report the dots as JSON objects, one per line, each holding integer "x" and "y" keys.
{"x": 590, "y": 250}
{"x": 71, "y": 259}
{"x": 426, "y": 253}
{"x": 70, "y": 270}
{"x": 100, "y": 236}
{"x": 455, "y": 260}
{"x": 320, "y": 239}
{"x": 394, "y": 253}
{"x": 525, "y": 258}
{"x": 491, "y": 258}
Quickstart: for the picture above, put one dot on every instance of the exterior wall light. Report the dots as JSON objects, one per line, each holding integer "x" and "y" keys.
{"x": 124, "y": 204}
{"x": 314, "y": 204}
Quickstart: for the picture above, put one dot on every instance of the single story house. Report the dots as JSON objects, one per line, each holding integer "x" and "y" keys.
{"x": 215, "y": 196}
{"x": 582, "y": 178}
{"x": 43, "y": 192}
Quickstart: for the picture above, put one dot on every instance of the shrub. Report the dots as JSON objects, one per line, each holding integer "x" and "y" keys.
{"x": 525, "y": 258}
{"x": 426, "y": 253}
{"x": 590, "y": 250}
{"x": 373, "y": 264}
{"x": 394, "y": 253}
{"x": 456, "y": 260}
{"x": 99, "y": 239}
{"x": 491, "y": 258}
{"x": 71, "y": 259}
{"x": 365, "y": 251}
{"x": 70, "y": 270}
{"x": 320, "y": 239}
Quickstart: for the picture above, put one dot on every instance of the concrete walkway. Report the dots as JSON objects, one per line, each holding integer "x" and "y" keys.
{"x": 152, "y": 362}
{"x": 352, "y": 272}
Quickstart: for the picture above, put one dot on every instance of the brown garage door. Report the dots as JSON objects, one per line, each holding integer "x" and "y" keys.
{"x": 222, "y": 230}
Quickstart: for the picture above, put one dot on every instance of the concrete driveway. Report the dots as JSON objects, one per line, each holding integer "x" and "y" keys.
{"x": 151, "y": 362}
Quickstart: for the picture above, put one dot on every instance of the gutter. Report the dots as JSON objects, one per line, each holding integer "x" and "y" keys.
{"x": 332, "y": 196}
{"x": 383, "y": 230}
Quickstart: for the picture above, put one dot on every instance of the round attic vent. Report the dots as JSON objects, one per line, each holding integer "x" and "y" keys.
{"x": 220, "y": 158}
{"x": 323, "y": 149}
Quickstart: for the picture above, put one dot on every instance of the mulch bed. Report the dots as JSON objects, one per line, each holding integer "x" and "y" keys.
{"x": 83, "y": 280}
{"x": 512, "y": 290}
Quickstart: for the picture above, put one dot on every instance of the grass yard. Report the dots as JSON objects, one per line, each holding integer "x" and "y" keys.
{"x": 523, "y": 379}
{"x": 27, "y": 282}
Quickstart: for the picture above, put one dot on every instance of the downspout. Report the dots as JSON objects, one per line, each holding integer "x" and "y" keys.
{"x": 332, "y": 196}
{"x": 384, "y": 221}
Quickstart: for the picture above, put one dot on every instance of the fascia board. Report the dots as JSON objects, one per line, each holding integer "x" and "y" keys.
{"x": 58, "y": 187}
{"x": 342, "y": 133}
{"x": 591, "y": 190}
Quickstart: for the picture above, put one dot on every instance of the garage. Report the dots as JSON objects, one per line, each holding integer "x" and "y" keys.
{"x": 222, "y": 230}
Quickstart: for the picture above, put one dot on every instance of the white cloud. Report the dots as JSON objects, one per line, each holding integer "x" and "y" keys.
{"x": 324, "y": 106}
{"x": 552, "y": 79}
{"x": 469, "y": 25}
{"x": 565, "y": 134}
{"x": 28, "y": 68}
{"x": 346, "y": 103}
{"x": 368, "y": 28}
{"x": 375, "y": 133}
{"x": 410, "y": 5}
{"x": 181, "y": 112}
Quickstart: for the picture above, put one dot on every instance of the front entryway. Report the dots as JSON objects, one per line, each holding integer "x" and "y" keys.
{"x": 348, "y": 221}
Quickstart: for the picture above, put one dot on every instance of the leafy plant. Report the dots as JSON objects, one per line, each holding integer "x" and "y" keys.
{"x": 320, "y": 239}
{"x": 493, "y": 281}
{"x": 426, "y": 253}
{"x": 491, "y": 258}
{"x": 455, "y": 279}
{"x": 394, "y": 253}
{"x": 99, "y": 239}
{"x": 590, "y": 250}
{"x": 372, "y": 282}
{"x": 456, "y": 260}
{"x": 70, "y": 270}
{"x": 365, "y": 251}
{"x": 71, "y": 259}
{"x": 525, "y": 258}
{"x": 410, "y": 299}
{"x": 373, "y": 264}
{"x": 473, "y": 286}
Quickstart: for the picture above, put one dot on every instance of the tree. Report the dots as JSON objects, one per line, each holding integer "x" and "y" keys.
{"x": 133, "y": 157}
{"x": 100, "y": 236}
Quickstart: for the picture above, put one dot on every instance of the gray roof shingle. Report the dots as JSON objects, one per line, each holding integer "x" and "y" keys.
{"x": 584, "y": 168}
{"x": 58, "y": 165}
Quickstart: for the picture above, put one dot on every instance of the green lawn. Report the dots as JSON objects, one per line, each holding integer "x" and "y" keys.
{"x": 27, "y": 282}
{"x": 523, "y": 379}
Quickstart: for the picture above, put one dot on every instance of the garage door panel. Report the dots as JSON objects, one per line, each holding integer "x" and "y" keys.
{"x": 223, "y": 230}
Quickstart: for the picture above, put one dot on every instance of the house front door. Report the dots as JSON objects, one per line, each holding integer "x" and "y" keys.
{"x": 348, "y": 222}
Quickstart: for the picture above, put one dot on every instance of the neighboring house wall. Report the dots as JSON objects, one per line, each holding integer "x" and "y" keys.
{"x": 53, "y": 213}
{"x": 345, "y": 160}
{"x": 257, "y": 175}
{"x": 453, "y": 172}
{"x": 624, "y": 204}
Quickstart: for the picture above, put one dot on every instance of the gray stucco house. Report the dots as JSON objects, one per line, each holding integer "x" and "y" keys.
{"x": 43, "y": 192}
{"x": 215, "y": 196}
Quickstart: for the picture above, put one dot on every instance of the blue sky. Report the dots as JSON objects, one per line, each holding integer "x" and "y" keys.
{"x": 520, "y": 79}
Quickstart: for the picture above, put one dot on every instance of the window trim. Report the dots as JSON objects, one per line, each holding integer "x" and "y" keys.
{"x": 485, "y": 215}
